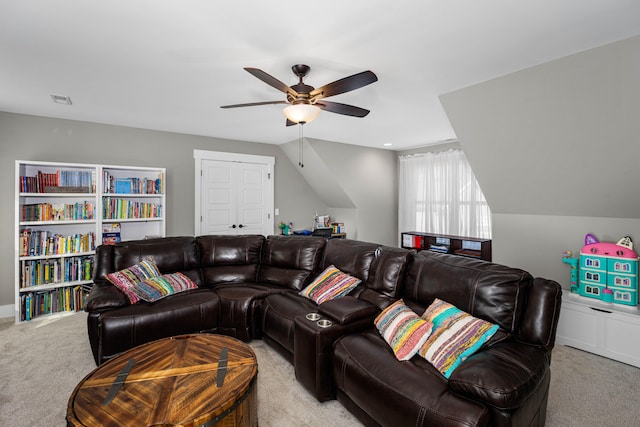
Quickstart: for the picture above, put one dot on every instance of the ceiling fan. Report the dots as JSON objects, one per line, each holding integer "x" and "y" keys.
{"x": 305, "y": 102}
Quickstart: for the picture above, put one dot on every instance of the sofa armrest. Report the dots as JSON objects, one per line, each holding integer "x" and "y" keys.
{"x": 347, "y": 310}
{"x": 104, "y": 296}
{"x": 504, "y": 376}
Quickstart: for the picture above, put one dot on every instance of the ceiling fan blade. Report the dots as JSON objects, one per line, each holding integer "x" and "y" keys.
{"x": 347, "y": 110}
{"x": 271, "y": 81}
{"x": 346, "y": 84}
{"x": 290, "y": 123}
{"x": 253, "y": 104}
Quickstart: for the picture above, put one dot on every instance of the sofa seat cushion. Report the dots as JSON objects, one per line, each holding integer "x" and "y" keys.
{"x": 126, "y": 327}
{"x": 505, "y": 375}
{"x": 279, "y": 312}
{"x": 238, "y": 307}
{"x": 399, "y": 393}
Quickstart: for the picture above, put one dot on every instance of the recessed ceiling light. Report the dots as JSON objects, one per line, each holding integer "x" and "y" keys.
{"x": 387, "y": 144}
{"x": 59, "y": 99}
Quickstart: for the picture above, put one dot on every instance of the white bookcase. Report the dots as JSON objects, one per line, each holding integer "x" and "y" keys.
{"x": 61, "y": 211}
{"x": 607, "y": 329}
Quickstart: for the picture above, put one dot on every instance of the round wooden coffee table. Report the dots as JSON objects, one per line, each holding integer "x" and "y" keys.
{"x": 188, "y": 380}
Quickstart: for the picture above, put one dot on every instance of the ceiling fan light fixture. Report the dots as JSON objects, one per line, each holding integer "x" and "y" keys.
{"x": 298, "y": 113}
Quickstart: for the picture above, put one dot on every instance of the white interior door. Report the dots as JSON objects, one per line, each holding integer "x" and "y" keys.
{"x": 218, "y": 198}
{"x": 251, "y": 213}
{"x": 233, "y": 196}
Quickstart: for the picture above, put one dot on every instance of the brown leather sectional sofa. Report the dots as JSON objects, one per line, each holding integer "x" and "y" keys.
{"x": 248, "y": 288}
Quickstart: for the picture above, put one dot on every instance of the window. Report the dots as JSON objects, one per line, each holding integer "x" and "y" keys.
{"x": 589, "y": 262}
{"x": 621, "y": 266}
{"x": 439, "y": 194}
{"x": 623, "y": 281}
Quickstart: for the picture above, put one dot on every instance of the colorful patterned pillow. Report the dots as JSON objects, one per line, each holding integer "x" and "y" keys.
{"x": 330, "y": 284}
{"x": 402, "y": 329}
{"x": 125, "y": 279}
{"x": 156, "y": 288}
{"x": 456, "y": 336}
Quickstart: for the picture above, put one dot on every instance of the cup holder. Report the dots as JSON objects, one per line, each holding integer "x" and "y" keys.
{"x": 313, "y": 316}
{"x": 324, "y": 323}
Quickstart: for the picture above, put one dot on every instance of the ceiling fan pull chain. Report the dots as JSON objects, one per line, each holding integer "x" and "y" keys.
{"x": 300, "y": 146}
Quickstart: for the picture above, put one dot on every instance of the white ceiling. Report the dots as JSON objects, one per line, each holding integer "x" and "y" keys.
{"x": 169, "y": 65}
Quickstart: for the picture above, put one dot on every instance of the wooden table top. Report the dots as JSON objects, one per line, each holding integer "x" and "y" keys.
{"x": 172, "y": 381}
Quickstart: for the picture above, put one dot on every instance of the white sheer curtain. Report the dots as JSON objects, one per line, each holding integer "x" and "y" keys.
{"x": 439, "y": 194}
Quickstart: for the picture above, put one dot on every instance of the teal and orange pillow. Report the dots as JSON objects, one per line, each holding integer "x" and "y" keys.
{"x": 330, "y": 284}
{"x": 456, "y": 335}
{"x": 402, "y": 329}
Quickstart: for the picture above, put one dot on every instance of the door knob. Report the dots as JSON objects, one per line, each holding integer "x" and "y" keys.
{"x": 232, "y": 226}
{"x": 240, "y": 226}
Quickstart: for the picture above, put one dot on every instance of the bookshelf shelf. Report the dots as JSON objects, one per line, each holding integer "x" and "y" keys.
{"x": 60, "y": 219}
{"x": 58, "y": 285}
{"x": 54, "y": 256}
{"x": 59, "y": 195}
{"x": 133, "y": 219}
{"x": 60, "y": 222}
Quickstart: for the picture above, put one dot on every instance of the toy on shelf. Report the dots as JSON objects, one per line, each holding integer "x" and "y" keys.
{"x": 573, "y": 264}
{"x": 606, "y": 271}
{"x": 286, "y": 228}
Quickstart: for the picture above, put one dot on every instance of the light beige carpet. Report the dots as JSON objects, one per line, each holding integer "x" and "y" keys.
{"x": 41, "y": 362}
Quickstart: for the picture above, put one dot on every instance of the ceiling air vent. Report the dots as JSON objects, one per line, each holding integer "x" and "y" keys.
{"x": 59, "y": 99}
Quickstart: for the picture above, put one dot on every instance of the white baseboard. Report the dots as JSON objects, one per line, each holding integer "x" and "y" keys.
{"x": 7, "y": 310}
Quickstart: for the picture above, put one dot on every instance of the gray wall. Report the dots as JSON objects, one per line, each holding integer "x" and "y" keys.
{"x": 369, "y": 177}
{"x": 24, "y": 137}
{"x": 555, "y": 149}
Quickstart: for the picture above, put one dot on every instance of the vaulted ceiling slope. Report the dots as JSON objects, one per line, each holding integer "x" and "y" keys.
{"x": 561, "y": 138}
{"x": 169, "y": 65}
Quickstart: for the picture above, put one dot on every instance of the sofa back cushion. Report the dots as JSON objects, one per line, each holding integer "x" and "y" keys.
{"x": 386, "y": 276}
{"x": 350, "y": 256}
{"x": 170, "y": 254}
{"x": 486, "y": 290}
{"x": 291, "y": 261}
{"x": 227, "y": 259}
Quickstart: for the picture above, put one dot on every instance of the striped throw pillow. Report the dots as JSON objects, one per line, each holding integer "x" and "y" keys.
{"x": 125, "y": 279}
{"x": 330, "y": 284}
{"x": 156, "y": 288}
{"x": 456, "y": 336}
{"x": 402, "y": 329}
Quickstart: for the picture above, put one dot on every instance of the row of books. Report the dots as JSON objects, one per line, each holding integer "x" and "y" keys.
{"x": 117, "y": 208}
{"x": 57, "y": 212}
{"x": 55, "y": 270}
{"x": 34, "y": 304}
{"x": 42, "y": 182}
{"x": 44, "y": 242}
{"x": 132, "y": 185}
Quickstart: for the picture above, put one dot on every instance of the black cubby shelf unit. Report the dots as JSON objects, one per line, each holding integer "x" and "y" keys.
{"x": 444, "y": 243}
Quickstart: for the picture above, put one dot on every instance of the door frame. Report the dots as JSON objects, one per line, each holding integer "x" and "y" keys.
{"x": 200, "y": 155}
